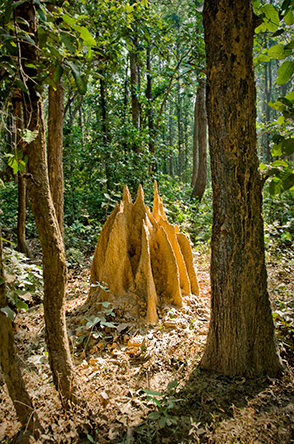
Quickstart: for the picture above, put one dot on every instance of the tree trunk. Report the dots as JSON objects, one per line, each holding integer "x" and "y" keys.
{"x": 149, "y": 101}
{"x": 136, "y": 117}
{"x": 170, "y": 140}
{"x": 241, "y": 339}
{"x": 105, "y": 133}
{"x": 10, "y": 365}
{"x": 22, "y": 207}
{"x": 54, "y": 266}
{"x": 180, "y": 131}
{"x": 3, "y": 299}
{"x": 55, "y": 147}
{"x": 195, "y": 146}
{"x": 200, "y": 182}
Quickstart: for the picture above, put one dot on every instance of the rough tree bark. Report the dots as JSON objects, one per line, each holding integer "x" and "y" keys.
{"x": 54, "y": 150}
{"x": 241, "y": 339}
{"x": 200, "y": 182}
{"x": 54, "y": 266}
{"x": 11, "y": 370}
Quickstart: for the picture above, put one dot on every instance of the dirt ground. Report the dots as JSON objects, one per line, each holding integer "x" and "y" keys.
{"x": 141, "y": 382}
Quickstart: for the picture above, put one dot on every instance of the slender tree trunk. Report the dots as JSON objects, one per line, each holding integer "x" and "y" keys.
{"x": 10, "y": 367}
{"x": 54, "y": 266}
{"x": 170, "y": 139}
{"x": 195, "y": 146}
{"x": 22, "y": 207}
{"x": 55, "y": 148}
{"x": 105, "y": 133}
{"x": 200, "y": 182}
{"x": 149, "y": 101}
{"x": 3, "y": 299}
{"x": 241, "y": 339}
{"x": 180, "y": 131}
{"x": 136, "y": 115}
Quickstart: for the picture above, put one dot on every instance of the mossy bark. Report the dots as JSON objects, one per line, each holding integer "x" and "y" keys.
{"x": 241, "y": 339}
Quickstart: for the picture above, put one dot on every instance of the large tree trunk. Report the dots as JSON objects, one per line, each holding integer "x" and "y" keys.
{"x": 241, "y": 339}
{"x": 54, "y": 266}
{"x": 200, "y": 182}
{"x": 55, "y": 147}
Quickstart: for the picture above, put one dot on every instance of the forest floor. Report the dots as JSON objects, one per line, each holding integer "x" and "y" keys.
{"x": 141, "y": 382}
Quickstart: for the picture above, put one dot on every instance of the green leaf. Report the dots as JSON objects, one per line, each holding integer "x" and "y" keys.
{"x": 154, "y": 416}
{"x": 9, "y": 313}
{"x": 290, "y": 96}
{"x": 288, "y": 18}
{"x": 262, "y": 167}
{"x": 90, "y": 438}
{"x": 42, "y": 36}
{"x": 290, "y": 45}
{"x": 69, "y": 21}
{"x": 152, "y": 393}
{"x": 275, "y": 187}
{"x": 288, "y": 146}
{"x": 80, "y": 82}
{"x": 21, "y": 304}
{"x": 277, "y": 163}
{"x": 68, "y": 41}
{"x": 288, "y": 182}
{"x": 172, "y": 384}
{"x": 271, "y": 19}
{"x": 57, "y": 73}
{"x": 277, "y": 150}
{"x": 87, "y": 38}
{"x": 262, "y": 58}
{"x": 285, "y": 72}
{"x": 279, "y": 52}
{"x": 277, "y": 105}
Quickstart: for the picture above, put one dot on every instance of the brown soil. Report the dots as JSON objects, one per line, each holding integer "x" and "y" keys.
{"x": 116, "y": 363}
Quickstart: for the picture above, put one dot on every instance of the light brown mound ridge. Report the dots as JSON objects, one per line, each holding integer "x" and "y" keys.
{"x": 141, "y": 260}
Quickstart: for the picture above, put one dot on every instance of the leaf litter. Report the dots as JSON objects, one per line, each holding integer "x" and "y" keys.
{"x": 141, "y": 382}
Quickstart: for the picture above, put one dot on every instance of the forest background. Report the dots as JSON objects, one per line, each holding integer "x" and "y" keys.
{"x": 130, "y": 78}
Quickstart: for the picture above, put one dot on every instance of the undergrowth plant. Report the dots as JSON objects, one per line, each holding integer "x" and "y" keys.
{"x": 24, "y": 280}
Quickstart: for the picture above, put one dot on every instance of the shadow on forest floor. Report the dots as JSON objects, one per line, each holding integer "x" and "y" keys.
{"x": 216, "y": 409}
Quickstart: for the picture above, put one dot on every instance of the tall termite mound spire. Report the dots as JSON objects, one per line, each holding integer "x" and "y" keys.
{"x": 141, "y": 260}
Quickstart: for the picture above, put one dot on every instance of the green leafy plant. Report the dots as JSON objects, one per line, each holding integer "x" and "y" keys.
{"x": 164, "y": 403}
{"x": 24, "y": 281}
{"x": 96, "y": 323}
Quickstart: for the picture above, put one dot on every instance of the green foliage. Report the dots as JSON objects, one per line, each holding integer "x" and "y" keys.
{"x": 280, "y": 171}
{"x": 279, "y": 221}
{"x": 95, "y": 324}
{"x": 164, "y": 402}
{"x": 24, "y": 281}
